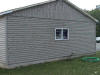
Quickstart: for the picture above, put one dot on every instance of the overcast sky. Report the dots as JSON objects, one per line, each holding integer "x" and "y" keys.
{"x": 11, "y": 4}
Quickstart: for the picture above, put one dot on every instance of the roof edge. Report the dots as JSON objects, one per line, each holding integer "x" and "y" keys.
{"x": 80, "y": 10}
{"x": 24, "y": 7}
{"x": 33, "y": 5}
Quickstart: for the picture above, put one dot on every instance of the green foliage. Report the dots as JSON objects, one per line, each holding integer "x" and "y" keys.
{"x": 98, "y": 30}
{"x": 96, "y": 14}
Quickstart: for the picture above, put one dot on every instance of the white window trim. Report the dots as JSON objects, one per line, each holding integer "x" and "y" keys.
{"x": 62, "y": 34}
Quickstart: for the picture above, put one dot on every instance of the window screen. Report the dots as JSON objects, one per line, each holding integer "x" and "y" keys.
{"x": 65, "y": 33}
{"x": 58, "y": 33}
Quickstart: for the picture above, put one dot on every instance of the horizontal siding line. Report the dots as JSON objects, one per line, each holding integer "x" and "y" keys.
{"x": 26, "y": 53}
{"x": 46, "y": 50}
{"x": 50, "y": 18}
{"x": 39, "y": 49}
{"x": 22, "y": 29}
{"x": 36, "y": 48}
{"x": 40, "y": 22}
{"x": 30, "y": 60}
{"x": 51, "y": 42}
{"x": 35, "y": 45}
{"x": 36, "y": 60}
{"x": 45, "y": 24}
{"x": 41, "y": 44}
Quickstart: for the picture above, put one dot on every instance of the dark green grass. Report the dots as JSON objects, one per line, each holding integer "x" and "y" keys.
{"x": 64, "y": 67}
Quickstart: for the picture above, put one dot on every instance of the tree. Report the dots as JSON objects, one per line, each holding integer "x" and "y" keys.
{"x": 96, "y": 14}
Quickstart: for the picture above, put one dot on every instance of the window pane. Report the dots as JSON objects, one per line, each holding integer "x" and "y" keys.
{"x": 65, "y": 33}
{"x": 58, "y": 33}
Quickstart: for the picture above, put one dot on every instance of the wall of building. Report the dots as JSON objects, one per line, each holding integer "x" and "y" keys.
{"x": 3, "y": 50}
{"x": 31, "y": 34}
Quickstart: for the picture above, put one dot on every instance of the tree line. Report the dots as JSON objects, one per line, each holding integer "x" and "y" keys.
{"x": 96, "y": 14}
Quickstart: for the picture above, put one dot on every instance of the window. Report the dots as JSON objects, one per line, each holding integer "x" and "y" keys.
{"x": 61, "y": 34}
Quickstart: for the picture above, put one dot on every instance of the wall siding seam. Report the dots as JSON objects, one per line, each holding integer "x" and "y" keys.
{"x": 67, "y": 57}
{"x": 51, "y": 19}
{"x": 7, "y": 55}
{"x": 95, "y": 36}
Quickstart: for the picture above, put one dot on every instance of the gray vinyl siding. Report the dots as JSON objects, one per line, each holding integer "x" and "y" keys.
{"x": 53, "y": 10}
{"x": 3, "y": 51}
{"x": 33, "y": 39}
{"x": 31, "y": 34}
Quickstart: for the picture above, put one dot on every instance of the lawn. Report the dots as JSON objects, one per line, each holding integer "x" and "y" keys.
{"x": 64, "y": 67}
